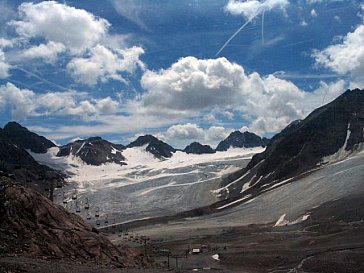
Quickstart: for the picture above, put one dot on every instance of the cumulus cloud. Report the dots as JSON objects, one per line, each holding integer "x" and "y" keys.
{"x": 192, "y": 84}
{"x": 47, "y": 52}
{"x": 252, "y": 8}
{"x": 185, "y": 131}
{"x": 104, "y": 64}
{"x": 53, "y": 21}
{"x": 346, "y": 57}
{"x": 193, "y": 87}
{"x": 4, "y": 66}
{"x": 215, "y": 134}
{"x": 4, "y": 43}
{"x": 210, "y": 118}
{"x": 19, "y": 101}
{"x": 183, "y": 134}
{"x": 25, "y": 103}
{"x": 95, "y": 54}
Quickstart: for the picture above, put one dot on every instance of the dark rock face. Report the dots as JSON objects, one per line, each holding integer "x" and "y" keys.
{"x": 17, "y": 161}
{"x": 93, "y": 151}
{"x": 11, "y": 154}
{"x": 155, "y": 146}
{"x": 238, "y": 139}
{"x": 302, "y": 145}
{"x": 198, "y": 148}
{"x": 25, "y": 139}
{"x": 33, "y": 226}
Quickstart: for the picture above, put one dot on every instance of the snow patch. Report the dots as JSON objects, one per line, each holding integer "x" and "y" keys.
{"x": 342, "y": 153}
{"x": 234, "y": 202}
{"x": 216, "y": 257}
{"x": 283, "y": 222}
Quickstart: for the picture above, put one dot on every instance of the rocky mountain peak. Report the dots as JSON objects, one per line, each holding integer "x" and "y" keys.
{"x": 198, "y": 148}
{"x": 331, "y": 132}
{"x": 25, "y": 139}
{"x": 155, "y": 146}
{"x": 93, "y": 151}
{"x": 238, "y": 139}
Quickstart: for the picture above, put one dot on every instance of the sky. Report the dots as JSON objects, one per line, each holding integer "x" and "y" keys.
{"x": 192, "y": 70}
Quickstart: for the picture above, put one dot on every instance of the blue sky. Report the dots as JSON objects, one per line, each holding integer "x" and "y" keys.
{"x": 121, "y": 68}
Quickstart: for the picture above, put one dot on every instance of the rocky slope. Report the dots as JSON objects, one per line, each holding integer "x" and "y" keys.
{"x": 153, "y": 145}
{"x": 17, "y": 161}
{"x": 33, "y": 226}
{"x": 93, "y": 151}
{"x": 25, "y": 139}
{"x": 238, "y": 139}
{"x": 329, "y": 133}
{"x": 11, "y": 154}
{"x": 198, "y": 148}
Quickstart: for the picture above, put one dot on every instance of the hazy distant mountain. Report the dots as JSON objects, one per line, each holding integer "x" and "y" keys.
{"x": 155, "y": 146}
{"x": 198, "y": 148}
{"x": 23, "y": 138}
{"x": 238, "y": 139}
{"x": 335, "y": 130}
{"x": 93, "y": 151}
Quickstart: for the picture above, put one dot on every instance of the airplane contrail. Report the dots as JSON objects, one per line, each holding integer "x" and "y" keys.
{"x": 236, "y": 33}
{"x": 40, "y": 78}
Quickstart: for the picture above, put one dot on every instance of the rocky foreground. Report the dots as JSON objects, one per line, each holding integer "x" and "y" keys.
{"x": 32, "y": 227}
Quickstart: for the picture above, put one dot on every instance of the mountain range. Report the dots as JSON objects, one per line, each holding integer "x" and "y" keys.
{"x": 333, "y": 130}
{"x": 238, "y": 139}
{"x": 17, "y": 141}
{"x": 328, "y": 134}
{"x": 93, "y": 151}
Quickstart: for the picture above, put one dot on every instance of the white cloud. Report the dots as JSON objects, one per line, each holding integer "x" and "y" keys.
{"x": 20, "y": 102}
{"x": 75, "y": 28}
{"x": 252, "y": 8}
{"x": 192, "y": 85}
{"x": 4, "y": 43}
{"x": 210, "y": 118}
{"x": 314, "y": 1}
{"x": 215, "y": 134}
{"x": 199, "y": 88}
{"x": 180, "y": 135}
{"x": 107, "y": 105}
{"x": 104, "y": 64}
{"x": 185, "y": 131}
{"x": 47, "y": 52}
{"x": 346, "y": 57}
{"x": 130, "y": 10}
{"x": 303, "y": 23}
{"x": 361, "y": 12}
{"x": 95, "y": 54}
{"x": 4, "y": 66}
{"x": 313, "y": 13}
{"x": 228, "y": 114}
{"x": 25, "y": 103}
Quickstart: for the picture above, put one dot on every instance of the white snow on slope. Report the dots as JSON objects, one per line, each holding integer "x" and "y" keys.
{"x": 283, "y": 222}
{"x": 341, "y": 153}
{"x": 138, "y": 159}
{"x": 216, "y": 257}
{"x": 147, "y": 186}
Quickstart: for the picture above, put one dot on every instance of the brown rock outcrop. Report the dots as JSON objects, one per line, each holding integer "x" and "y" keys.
{"x": 31, "y": 225}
